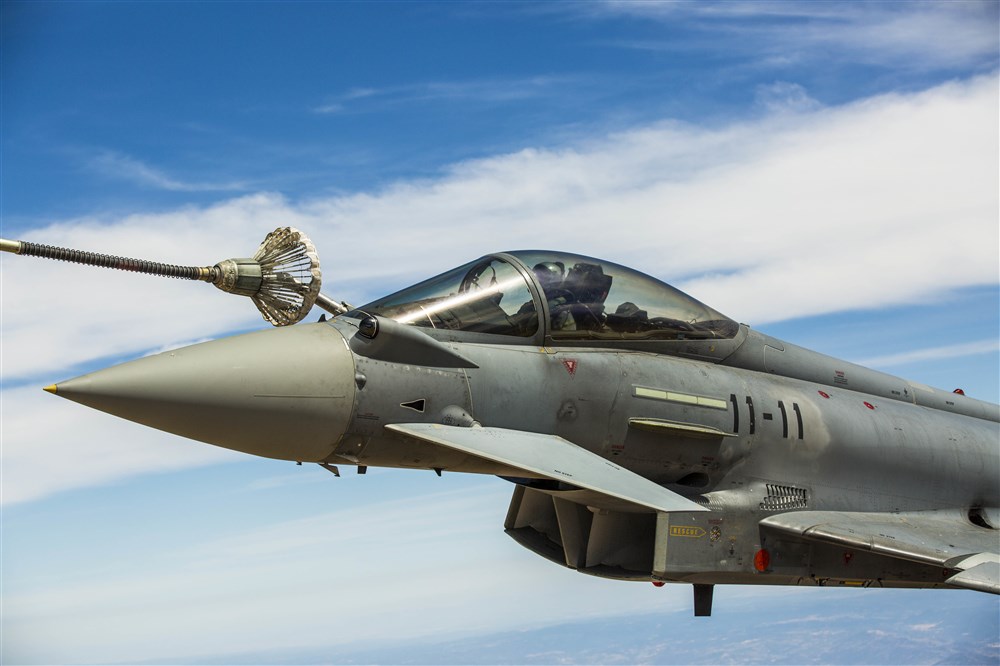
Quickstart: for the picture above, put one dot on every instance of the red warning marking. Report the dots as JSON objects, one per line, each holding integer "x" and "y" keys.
{"x": 825, "y": 394}
{"x": 570, "y": 364}
{"x": 869, "y": 405}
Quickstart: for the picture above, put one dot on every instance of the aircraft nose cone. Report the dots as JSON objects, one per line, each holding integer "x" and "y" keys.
{"x": 284, "y": 393}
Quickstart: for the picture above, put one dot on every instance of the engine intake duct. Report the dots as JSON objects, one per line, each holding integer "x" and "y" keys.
{"x": 604, "y": 543}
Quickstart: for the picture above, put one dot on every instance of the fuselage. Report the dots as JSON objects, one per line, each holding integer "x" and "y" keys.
{"x": 849, "y": 450}
{"x": 569, "y": 350}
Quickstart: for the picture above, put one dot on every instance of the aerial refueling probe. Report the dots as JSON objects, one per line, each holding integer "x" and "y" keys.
{"x": 282, "y": 278}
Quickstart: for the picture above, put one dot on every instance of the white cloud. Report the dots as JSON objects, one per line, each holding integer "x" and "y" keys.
{"x": 349, "y": 583}
{"x": 488, "y": 91}
{"x": 116, "y": 165}
{"x": 934, "y": 353}
{"x": 904, "y": 36}
{"x": 928, "y": 626}
{"x": 944, "y": 34}
{"x": 886, "y": 201}
{"x": 51, "y": 445}
{"x": 176, "y": 345}
{"x": 784, "y": 97}
{"x": 56, "y": 315}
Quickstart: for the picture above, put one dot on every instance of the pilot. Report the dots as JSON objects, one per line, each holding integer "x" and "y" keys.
{"x": 588, "y": 286}
{"x": 550, "y": 276}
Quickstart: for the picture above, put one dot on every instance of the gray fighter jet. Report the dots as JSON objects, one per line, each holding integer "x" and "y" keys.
{"x": 647, "y": 437}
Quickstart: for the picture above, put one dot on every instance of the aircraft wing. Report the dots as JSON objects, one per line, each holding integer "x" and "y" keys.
{"x": 551, "y": 457}
{"x": 942, "y": 539}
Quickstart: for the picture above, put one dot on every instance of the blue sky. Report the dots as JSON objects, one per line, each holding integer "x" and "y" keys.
{"x": 827, "y": 172}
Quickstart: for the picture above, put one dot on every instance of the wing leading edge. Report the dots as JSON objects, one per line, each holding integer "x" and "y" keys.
{"x": 941, "y": 539}
{"x": 551, "y": 457}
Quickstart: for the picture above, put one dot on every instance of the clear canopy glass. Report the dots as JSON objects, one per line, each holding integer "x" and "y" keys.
{"x": 586, "y": 299}
{"x": 593, "y": 299}
{"x": 485, "y": 296}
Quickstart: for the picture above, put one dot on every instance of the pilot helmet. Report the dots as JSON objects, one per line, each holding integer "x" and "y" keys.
{"x": 549, "y": 273}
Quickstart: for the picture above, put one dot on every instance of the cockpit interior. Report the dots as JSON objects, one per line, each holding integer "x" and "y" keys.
{"x": 562, "y": 296}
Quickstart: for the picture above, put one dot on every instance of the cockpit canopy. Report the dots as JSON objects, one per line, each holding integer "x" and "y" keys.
{"x": 571, "y": 297}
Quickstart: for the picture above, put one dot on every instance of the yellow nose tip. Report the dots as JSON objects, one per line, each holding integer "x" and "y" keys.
{"x": 51, "y": 388}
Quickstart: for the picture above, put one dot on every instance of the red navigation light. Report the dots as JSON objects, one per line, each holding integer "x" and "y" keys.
{"x": 959, "y": 391}
{"x": 658, "y": 583}
{"x": 762, "y": 560}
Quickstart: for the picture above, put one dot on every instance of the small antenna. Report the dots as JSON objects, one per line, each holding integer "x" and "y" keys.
{"x": 282, "y": 278}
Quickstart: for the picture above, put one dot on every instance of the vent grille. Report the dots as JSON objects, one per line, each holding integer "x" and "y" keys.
{"x": 780, "y": 498}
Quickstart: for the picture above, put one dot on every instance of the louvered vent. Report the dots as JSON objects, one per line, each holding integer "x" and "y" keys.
{"x": 781, "y": 498}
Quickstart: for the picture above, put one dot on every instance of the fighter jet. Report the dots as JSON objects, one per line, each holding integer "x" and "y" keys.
{"x": 646, "y": 436}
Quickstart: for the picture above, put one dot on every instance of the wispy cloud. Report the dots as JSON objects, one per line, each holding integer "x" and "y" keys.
{"x": 449, "y": 536}
{"x": 836, "y": 209}
{"x": 927, "y": 626}
{"x": 785, "y": 97}
{"x": 112, "y": 164}
{"x": 927, "y": 35}
{"x": 934, "y": 354}
{"x": 488, "y": 91}
{"x": 97, "y": 450}
{"x": 176, "y": 345}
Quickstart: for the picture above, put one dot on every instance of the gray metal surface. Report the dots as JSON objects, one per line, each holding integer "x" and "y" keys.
{"x": 550, "y": 457}
{"x": 283, "y": 393}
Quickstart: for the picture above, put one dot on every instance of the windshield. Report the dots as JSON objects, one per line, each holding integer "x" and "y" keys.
{"x": 485, "y": 296}
{"x": 593, "y": 299}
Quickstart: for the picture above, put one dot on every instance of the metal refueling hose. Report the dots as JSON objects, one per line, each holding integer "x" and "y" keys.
{"x": 205, "y": 274}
